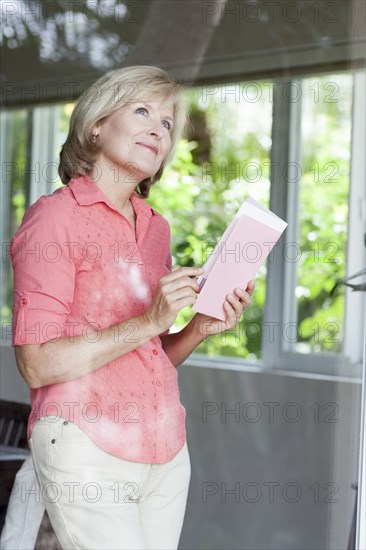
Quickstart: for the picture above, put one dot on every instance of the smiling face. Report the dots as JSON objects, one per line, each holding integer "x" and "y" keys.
{"x": 136, "y": 138}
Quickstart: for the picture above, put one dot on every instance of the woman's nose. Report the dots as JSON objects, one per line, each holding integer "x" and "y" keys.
{"x": 155, "y": 128}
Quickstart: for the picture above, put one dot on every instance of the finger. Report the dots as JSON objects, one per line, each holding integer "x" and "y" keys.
{"x": 180, "y": 272}
{"x": 187, "y": 300}
{"x": 188, "y": 270}
{"x": 250, "y": 288}
{"x": 244, "y": 296}
{"x": 232, "y": 318}
{"x": 172, "y": 285}
{"x": 183, "y": 293}
{"x": 236, "y": 305}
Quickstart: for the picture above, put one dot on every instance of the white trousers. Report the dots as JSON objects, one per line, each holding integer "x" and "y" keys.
{"x": 25, "y": 511}
{"x": 98, "y": 501}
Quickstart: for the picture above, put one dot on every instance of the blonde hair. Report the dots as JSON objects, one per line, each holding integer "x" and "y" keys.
{"x": 109, "y": 93}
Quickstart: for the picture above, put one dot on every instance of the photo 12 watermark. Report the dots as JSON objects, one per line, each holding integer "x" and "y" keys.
{"x": 270, "y": 11}
{"x": 69, "y": 12}
{"x": 273, "y": 331}
{"x": 271, "y": 492}
{"x": 269, "y": 411}
{"x": 72, "y": 491}
{"x": 254, "y": 92}
{"x": 253, "y": 171}
{"x": 125, "y": 411}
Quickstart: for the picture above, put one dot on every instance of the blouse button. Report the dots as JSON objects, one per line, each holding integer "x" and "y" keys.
{"x": 24, "y": 301}
{"x": 155, "y": 352}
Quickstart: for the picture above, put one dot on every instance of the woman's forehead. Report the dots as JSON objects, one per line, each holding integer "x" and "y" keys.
{"x": 163, "y": 102}
{"x": 166, "y": 105}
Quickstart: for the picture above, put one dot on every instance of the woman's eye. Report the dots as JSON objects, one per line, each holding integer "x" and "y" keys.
{"x": 167, "y": 124}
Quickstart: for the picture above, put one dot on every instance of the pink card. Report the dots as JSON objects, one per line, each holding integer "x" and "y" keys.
{"x": 237, "y": 257}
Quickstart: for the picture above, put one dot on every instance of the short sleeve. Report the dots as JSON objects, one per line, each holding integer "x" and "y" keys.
{"x": 44, "y": 274}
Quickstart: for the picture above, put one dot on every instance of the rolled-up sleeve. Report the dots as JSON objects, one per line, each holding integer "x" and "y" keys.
{"x": 44, "y": 274}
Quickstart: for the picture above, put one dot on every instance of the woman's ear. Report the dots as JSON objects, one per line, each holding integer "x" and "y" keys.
{"x": 95, "y": 129}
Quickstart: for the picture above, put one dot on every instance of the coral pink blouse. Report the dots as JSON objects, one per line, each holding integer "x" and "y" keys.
{"x": 78, "y": 269}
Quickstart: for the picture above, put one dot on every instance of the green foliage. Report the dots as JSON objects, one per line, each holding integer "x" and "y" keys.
{"x": 204, "y": 186}
{"x": 18, "y": 159}
{"x": 324, "y": 191}
{"x": 16, "y": 181}
{"x": 200, "y": 200}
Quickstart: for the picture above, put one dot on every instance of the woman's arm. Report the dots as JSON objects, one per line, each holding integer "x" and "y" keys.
{"x": 178, "y": 346}
{"x": 69, "y": 358}
{"x": 65, "y": 359}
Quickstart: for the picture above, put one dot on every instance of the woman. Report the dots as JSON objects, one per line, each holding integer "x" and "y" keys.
{"x": 94, "y": 297}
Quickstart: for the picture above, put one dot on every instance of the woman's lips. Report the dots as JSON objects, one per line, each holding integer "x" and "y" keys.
{"x": 152, "y": 148}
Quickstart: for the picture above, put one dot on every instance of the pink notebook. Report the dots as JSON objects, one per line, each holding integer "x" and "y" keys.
{"x": 237, "y": 257}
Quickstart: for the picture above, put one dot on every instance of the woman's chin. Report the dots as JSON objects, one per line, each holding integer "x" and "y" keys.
{"x": 142, "y": 172}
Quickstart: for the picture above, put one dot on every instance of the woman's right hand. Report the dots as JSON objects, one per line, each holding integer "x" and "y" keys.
{"x": 175, "y": 291}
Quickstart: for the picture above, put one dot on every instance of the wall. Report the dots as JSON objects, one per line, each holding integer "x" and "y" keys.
{"x": 306, "y": 455}
{"x": 12, "y": 385}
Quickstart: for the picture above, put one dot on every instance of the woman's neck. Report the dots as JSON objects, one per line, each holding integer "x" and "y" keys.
{"x": 117, "y": 184}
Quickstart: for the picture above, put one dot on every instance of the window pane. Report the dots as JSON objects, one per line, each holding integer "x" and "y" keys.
{"x": 323, "y": 211}
{"x": 14, "y": 196}
{"x": 65, "y": 111}
{"x": 18, "y": 168}
{"x": 224, "y": 156}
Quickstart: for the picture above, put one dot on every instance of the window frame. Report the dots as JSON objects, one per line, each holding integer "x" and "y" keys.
{"x": 284, "y": 197}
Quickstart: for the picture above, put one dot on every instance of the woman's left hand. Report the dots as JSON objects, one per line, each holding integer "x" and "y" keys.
{"x": 234, "y": 308}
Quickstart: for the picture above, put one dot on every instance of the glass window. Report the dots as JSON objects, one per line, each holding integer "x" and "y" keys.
{"x": 15, "y": 125}
{"x": 223, "y": 157}
{"x": 24, "y": 175}
{"x": 323, "y": 211}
